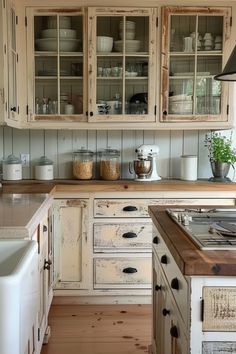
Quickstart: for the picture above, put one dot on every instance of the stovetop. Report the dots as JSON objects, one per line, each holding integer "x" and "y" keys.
{"x": 209, "y": 229}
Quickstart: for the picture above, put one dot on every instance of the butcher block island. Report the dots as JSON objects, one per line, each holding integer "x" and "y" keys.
{"x": 194, "y": 288}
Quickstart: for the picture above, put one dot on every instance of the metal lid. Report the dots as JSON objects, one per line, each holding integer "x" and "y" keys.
{"x": 43, "y": 161}
{"x": 12, "y": 159}
{"x": 83, "y": 152}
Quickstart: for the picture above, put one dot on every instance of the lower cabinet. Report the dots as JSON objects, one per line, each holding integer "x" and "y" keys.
{"x": 71, "y": 253}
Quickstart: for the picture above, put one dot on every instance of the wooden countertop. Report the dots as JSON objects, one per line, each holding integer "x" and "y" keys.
{"x": 190, "y": 259}
{"x": 33, "y": 186}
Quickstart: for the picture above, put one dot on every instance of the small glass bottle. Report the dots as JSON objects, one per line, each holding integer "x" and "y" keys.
{"x": 109, "y": 164}
{"x": 83, "y": 164}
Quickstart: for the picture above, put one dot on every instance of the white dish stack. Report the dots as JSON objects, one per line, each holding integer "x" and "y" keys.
{"x": 67, "y": 36}
{"x": 131, "y": 45}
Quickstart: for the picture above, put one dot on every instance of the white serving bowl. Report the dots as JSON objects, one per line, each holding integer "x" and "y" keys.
{"x": 128, "y": 34}
{"x": 64, "y": 22}
{"x": 104, "y": 44}
{"x": 128, "y": 25}
{"x": 130, "y": 45}
{"x": 181, "y": 107}
{"x": 50, "y": 44}
{"x": 63, "y": 33}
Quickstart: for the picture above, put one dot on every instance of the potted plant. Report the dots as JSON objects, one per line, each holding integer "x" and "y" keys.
{"x": 221, "y": 155}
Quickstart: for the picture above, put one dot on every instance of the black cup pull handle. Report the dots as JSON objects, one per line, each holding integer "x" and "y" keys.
{"x": 130, "y": 208}
{"x": 155, "y": 240}
{"x": 129, "y": 270}
{"x": 174, "y": 332}
{"x": 175, "y": 283}
{"x": 164, "y": 259}
{"x": 129, "y": 235}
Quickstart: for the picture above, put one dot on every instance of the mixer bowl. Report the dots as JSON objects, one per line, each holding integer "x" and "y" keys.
{"x": 142, "y": 168}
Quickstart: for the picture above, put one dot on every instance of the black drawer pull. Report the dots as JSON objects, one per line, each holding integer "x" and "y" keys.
{"x": 164, "y": 259}
{"x": 158, "y": 287}
{"x": 130, "y": 208}
{"x": 155, "y": 240}
{"x": 129, "y": 270}
{"x": 174, "y": 332}
{"x": 175, "y": 283}
{"x": 165, "y": 312}
{"x": 129, "y": 235}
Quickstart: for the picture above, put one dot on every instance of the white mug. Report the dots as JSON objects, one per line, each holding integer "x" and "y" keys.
{"x": 188, "y": 44}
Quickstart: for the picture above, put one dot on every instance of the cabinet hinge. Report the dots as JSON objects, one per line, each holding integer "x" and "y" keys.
{"x": 6, "y": 106}
{"x": 4, "y": 4}
{"x": 38, "y": 334}
{"x": 5, "y": 49}
{"x": 227, "y": 110}
{"x": 157, "y": 22}
{"x": 155, "y": 110}
{"x": 202, "y": 310}
{"x": 16, "y": 20}
{"x": 26, "y": 21}
{"x": 27, "y": 110}
{"x": 18, "y": 110}
{"x": 17, "y": 57}
{"x": 231, "y": 21}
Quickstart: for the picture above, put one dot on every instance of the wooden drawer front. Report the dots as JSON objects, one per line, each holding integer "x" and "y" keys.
{"x": 128, "y": 208}
{"x": 174, "y": 276}
{"x": 128, "y": 237}
{"x": 128, "y": 272}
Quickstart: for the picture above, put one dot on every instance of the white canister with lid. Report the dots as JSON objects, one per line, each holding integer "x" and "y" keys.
{"x": 44, "y": 169}
{"x": 12, "y": 168}
{"x": 189, "y": 167}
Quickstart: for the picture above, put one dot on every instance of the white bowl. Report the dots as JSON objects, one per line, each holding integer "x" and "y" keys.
{"x": 50, "y": 44}
{"x": 104, "y": 44}
{"x": 63, "y": 33}
{"x": 128, "y": 35}
{"x": 130, "y": 45}
{"x": 64, "y": 22}
{"x": 181, "y": 107}
{"x": 128, "y": 25}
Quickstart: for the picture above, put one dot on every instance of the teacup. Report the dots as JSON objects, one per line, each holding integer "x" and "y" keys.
{"x": 207, "y": 36}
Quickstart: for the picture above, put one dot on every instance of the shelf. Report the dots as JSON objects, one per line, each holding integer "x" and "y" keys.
{"x": 120, "y": 54}
{"x": 121, "y": 77}
{"x": 198, "y": 53}
{"x": 58, "y": 77}
{"x": 55, "y": 54}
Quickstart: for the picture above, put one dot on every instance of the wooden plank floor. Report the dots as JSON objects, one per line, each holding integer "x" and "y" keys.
{"x": 99, "y": 329}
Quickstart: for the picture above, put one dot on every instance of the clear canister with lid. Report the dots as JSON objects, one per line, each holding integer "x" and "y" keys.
{"x": 83, "y": 164}
{"x": 12, "y": 168}
{"x": 44, "y": 169}
{"x": 109, "y": 164}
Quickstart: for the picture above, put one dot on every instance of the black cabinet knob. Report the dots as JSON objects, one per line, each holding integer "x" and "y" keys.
{"x": 130, "y": 208}
{"x": 91, "y": 114}
{"x": 47, "y": 264}
{"x": 45, "y": 228}
{"x": 164, "y": 259}
{"x": 158, "y": 287}
{"x": 155, "y": 240}
{"x": 165, "y": 113}
{"x": 129, "y": 235}
{"x": 165, "y": 312}
{"x": 13, "y": 109}
{"x": 129, "y": 270}
{"x": 175, "y": 283}
{"x": 174, "y": 332}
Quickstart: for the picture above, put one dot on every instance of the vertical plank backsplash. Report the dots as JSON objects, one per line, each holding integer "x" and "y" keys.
{"x": 59, "y": 144}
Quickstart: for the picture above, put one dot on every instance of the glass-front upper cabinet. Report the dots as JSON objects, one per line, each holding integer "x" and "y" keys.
{"x": 194, "y": 44}
{"x": 56, "y": 59}
{"x": 121, "y": 57}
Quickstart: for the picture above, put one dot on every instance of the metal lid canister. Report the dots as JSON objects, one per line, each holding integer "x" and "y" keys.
{"x": 12, "y": 168}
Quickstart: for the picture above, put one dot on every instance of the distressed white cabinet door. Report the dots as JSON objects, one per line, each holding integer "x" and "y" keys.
{"x": 70, "y": 244}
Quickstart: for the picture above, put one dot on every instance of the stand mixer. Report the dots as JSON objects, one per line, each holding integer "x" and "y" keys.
{"x": 146, "y": 165}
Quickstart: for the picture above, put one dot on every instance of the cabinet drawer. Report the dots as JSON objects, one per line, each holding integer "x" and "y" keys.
{"x": 125, "y": 237}
{"x": 175, "y": 278}
{"x": 122, "y": 272}
{"x": 128, "y": 208}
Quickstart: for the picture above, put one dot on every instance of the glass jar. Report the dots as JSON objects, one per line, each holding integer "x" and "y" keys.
{"x": 109, "y": 164}
{"x": 12, "y": 168}
{"x": 44, "y": 169}
{"x": 83, "y": 164}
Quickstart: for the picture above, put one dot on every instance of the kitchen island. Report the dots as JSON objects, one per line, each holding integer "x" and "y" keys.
{"x": 194, "y": 292}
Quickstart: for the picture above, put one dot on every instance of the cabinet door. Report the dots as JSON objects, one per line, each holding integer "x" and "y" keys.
{"x": 194, "y": 44}
{"x": 56, "y": 50}
{"x": 121, "y": 64}
{"x": 71, "y": 244}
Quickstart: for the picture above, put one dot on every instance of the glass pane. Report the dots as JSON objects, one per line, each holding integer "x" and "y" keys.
{"x": 71, "y": 96}
{"x": 46, "y": 101}
{"x": 181, "y": 33}
{"x": 181, "y": 96}
{"x": 45, "y": 33}
{"x": 210, "y": 30}
{"x": 46, "y": 66}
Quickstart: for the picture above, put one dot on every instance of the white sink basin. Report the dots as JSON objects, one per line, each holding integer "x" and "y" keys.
{"x": 18, "y": 295}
